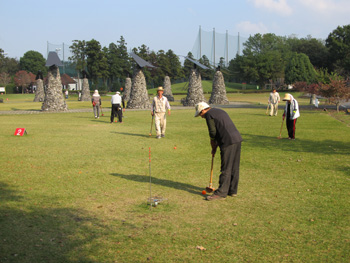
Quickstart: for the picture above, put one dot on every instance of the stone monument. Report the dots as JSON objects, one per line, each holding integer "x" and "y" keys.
{"x": 54, "y": 99}
{"x": 127, "y": 89}
{"x": 85, "y": 91}
{"x": 167, "y": 89}
{"x": 138, "y": 95}
{"x": 195, "y": 90}
{"x": 218, "y": 94}
{"x": 39, "y": 92}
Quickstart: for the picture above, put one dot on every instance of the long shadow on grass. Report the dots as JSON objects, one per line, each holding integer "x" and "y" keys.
{"x": 30, "y": 233}
{"x": 164, "y": 182}
{"x": 132, "y": 134}
{"x": 328, "y": 147}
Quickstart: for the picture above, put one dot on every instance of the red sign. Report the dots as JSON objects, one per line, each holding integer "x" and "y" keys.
{"x": 20, "y": 131}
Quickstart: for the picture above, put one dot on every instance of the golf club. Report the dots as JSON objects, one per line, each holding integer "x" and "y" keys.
{"x": 101, "y": 111}
{"x": 150, "y": 133}
{"x": 279, "y": 137}
{"x": 267, "y": 108}
{"x": 210, "y": 188}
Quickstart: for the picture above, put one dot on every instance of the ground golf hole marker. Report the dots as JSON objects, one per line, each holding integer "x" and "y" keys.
{"x": 20, "y": 131}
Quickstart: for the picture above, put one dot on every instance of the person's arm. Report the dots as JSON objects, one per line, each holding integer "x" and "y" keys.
{"x": 167, "y": 106}
{"x": 212, "y": 135}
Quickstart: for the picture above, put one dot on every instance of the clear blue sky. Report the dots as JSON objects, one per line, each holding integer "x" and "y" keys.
{"x": 160, "y": 24}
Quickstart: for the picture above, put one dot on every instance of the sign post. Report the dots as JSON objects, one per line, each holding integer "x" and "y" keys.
{"x": 20, "y": 131}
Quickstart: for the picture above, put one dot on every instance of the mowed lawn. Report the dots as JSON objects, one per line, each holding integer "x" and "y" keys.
{"x": 75, "y": 189}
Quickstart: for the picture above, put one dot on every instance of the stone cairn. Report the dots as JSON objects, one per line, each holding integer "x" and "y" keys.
{"x": 167, "y": 89}
{"x": 54, "y": 99}
{"x": 218, "y": 94}
{"x": 138, "y": 95}
{"x": 39, "y": 92}
{"x": 85, "y": 91}
{"x": 195, "y": 90}
{"x": 127, "y": 89}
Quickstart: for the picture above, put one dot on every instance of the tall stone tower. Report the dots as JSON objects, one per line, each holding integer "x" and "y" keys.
{"x": 195, "y": 90}
{"x": 138, "y": 95}
{"x": 218, "y": 94}
{"x": 39, "y": 92}
{"x": 167, "y": 89}
{"x": 54, "y": 99}
{"x": 85, "y": 92}
{"x": 127, "y": 89}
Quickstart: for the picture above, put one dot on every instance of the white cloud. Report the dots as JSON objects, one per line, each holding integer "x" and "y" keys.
{"x": 277, "y": 6}
{"x": 328, "y": 7}
{"x": 249, "y": 28}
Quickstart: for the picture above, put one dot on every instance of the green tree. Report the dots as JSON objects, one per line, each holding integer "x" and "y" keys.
{"x": 314, "y": 48}
{"x": 125, "y": 69}
{"x": 33, "y": 61}
{"x": 263, "y": 59}
{"x": 206, "y": 74}
{"x": 78, "y": 49}
{"x": 175, "y": 65}
{"x": 188, "y": 65}
{"x": 97, "y": 63}
{"x": 299, "y": 68}
{"x": 338, "y": 43}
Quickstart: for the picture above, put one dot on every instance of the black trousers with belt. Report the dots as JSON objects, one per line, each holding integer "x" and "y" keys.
{"x": 229, "y": 177}
{"x": 116, "y": 112}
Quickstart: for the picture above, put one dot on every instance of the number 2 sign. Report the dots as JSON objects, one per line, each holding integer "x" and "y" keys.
{"x": 20, "y": 131}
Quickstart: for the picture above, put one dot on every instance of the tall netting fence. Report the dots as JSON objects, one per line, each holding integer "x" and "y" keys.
{"x": 63, "y": 51}
{"x": 216, "y": 45}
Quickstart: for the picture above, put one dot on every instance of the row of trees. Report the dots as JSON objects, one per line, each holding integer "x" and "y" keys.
{"x": 266, "y": 59}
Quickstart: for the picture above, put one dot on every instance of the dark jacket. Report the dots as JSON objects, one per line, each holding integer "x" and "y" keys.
{"x": 221, "y": 128}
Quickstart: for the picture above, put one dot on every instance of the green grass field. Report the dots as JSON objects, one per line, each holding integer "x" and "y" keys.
{"x": 75, "y": 189}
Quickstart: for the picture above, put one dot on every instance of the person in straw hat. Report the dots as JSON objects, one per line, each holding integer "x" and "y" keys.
{"x": 96, "y": 102}
{"x": 291, "y": 113}
{"x": 160, "y": 105}
{"x": 223, "y": 133}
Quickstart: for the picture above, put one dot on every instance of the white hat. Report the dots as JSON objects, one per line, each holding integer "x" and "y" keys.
{"x": 199, "y": 107}
{"x": 286, "y": 97}
{"x": 117, "y": 92}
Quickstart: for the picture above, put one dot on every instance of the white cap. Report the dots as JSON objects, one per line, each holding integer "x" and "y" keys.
{"x": 117, "y": 92}
{"x": 199, "y": 107}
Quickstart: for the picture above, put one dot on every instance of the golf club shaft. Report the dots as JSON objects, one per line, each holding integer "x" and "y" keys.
{"x": 281, "y": 128}
{"x": 211, "y": 172}
{"x": 151, "y": 125}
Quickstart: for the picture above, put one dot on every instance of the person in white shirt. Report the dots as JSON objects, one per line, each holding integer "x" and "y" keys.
{"x": 160, "y": 105}
{"x": 116, "y": 102}
{"x": 274, "y": 99}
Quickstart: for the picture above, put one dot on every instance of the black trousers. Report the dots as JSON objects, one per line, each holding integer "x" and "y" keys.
{"x": 116, "y": 112}
{"x": 229, "y": 177}
{"x": 291, "y": 128}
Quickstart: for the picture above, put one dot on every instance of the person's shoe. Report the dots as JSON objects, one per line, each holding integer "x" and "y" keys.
{"x": 158, "y": 137}
{"x": 162, "y": 135}
{"x": 215, "y": 197}
{"x": 232, "y": 195}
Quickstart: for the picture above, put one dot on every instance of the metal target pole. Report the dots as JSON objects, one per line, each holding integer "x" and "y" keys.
{"x": 150, "y": 178}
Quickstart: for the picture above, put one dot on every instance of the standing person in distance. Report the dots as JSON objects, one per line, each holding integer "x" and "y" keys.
{"x": 274, "y": 99}
{"x": 223, "y": 133}
{"x": 96, "y": 102}
{"x": 160, "y": 105}
{"x": 116, "y": 101}
{"x": 291, "y": 113}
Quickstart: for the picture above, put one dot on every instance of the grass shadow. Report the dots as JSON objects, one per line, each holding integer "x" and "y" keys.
{"x": 30, "y": 233}
{"x": 163, "y": 182}
{"x": 132, "y": 134}
{"x": 328, "y": 147}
